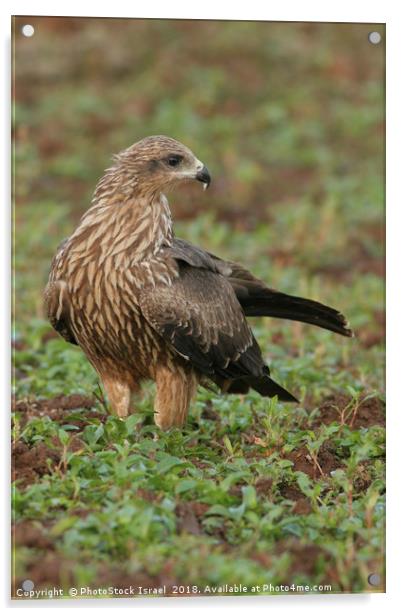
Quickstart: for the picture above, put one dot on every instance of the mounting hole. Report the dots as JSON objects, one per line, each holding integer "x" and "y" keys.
{"x": 374, "y": 38}
{"x": 374, "y": 579}
{"x": 28, "y": 585}
{"x": 28, "y": 30}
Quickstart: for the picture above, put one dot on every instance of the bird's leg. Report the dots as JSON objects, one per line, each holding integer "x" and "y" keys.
{"x": 174, "y": 392}
{"x": 118, "y": 394}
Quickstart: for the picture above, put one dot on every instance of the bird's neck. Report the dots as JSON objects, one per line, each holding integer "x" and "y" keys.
{"x": 133, "y": 225}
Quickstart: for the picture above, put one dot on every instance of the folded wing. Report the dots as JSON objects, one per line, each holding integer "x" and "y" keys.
{"x": 200, "y": 317}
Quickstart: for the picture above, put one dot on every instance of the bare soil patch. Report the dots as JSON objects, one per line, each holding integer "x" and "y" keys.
{"x": 29, "y": 464}
{"x": 325, "y": 462}
{"x": 340, "y": 408}
{"x": 57, "y": 409}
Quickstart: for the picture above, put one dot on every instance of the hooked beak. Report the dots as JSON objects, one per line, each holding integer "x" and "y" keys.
{"x": 204, "y": 177}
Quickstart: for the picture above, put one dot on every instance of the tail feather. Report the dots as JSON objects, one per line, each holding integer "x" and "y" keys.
{"x": 269, "y": 388}
{"x": 258, "y": 301}
{"x": 263, "y": 384}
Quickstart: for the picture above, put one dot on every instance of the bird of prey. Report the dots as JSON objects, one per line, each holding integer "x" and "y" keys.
{"x": 143, "y": 304}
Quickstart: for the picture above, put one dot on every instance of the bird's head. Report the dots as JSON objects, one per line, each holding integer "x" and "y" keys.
{"x": 159, "y": 162}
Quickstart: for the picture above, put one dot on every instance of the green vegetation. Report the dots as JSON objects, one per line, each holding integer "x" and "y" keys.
{"x": 289, "y": 120}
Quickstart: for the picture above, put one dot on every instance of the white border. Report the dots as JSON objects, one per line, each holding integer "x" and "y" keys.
{"x": 340, "y": 11}
{"x": 286, "y": 10}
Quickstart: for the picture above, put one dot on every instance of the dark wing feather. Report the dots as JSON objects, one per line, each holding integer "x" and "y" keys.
{"x": 184, "y": 252}
{"x": 200, "y": 317}
{"x": 256, "y": 298}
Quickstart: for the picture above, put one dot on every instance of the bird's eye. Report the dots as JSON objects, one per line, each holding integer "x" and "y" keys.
{"x": 174, "y": 160}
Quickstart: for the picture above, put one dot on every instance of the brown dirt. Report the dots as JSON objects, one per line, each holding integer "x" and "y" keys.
{"x": 29, "y": 464}
{"x": 80, "y": 512}
{"x": 340, "y": 409}
{"x": 121, "y": 579}
{"x": 199, "y": 463}
{"x": 326, "y": 462}
{"x": 236, "y": 490}
{"x": 187, "y": 521}
{"x": 30, "y": 535}
{"x": 55, "y": 571}
{"x": 263, "y": 486}
{"x": 303, "y": 557}
{"x": 56, "y": 408}
{"x": 74, "y": 401}
{"x": 49, "y": 570}
{"x": 363, "y": 477}
{"x": 148, "y": 495}
{"x": 302, "y": 504}
{"x": 373, "y": 333}
{"x": 369, "y": 339}
{"x": 188, "y": 516}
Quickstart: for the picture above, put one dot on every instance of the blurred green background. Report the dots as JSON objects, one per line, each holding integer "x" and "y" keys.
{"x": 289, "y": 119}
{"x": 287, "y": 116}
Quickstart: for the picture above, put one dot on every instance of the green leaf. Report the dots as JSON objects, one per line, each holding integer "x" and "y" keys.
{"x": 63, "y": 436}
{"x": 167, "y": 462}
{"x": 62, "y": 525}
{"x": 185, "y": 485}
{"x": 92, "y": 434}
{"x": 249, "y": 497}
